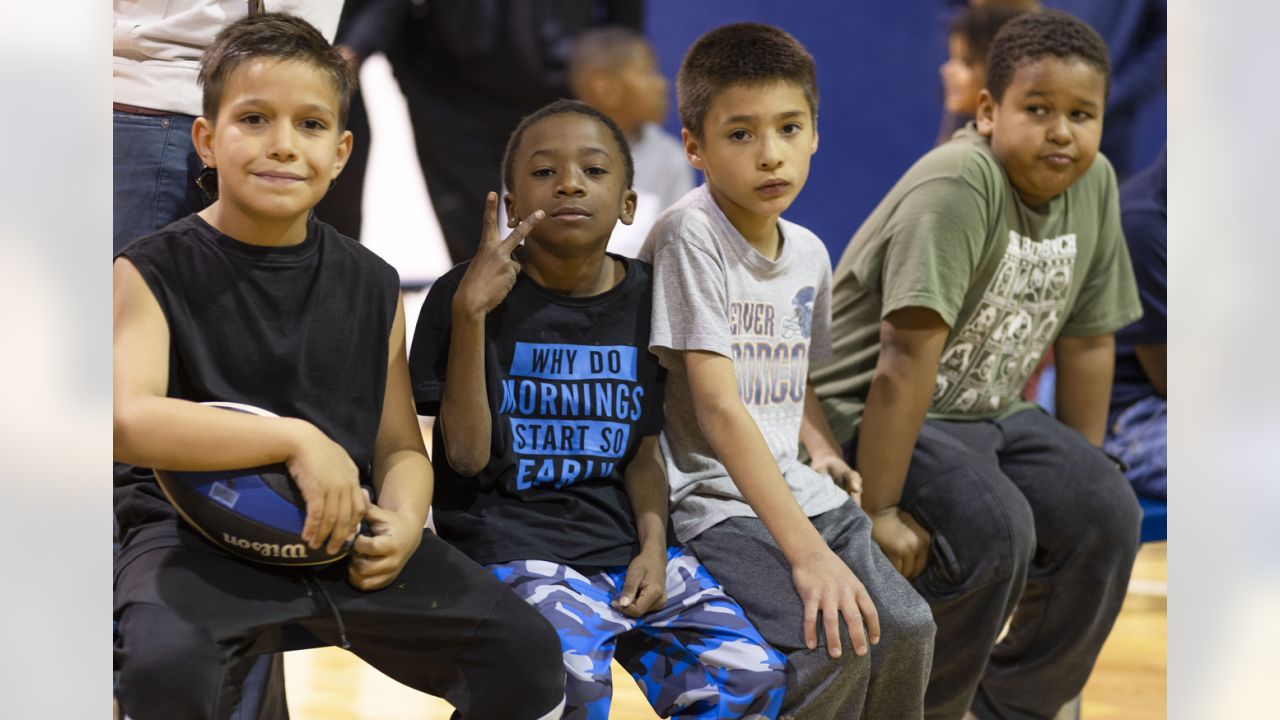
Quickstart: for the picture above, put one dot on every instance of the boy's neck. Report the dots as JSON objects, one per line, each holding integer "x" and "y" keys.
{"x": 578, "y": 276}
{"x": 267, "y": 233}
{"x": 760, "y": 231}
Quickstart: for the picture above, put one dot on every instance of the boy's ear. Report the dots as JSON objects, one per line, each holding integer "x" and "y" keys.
{"x": 202, "y": 141}
{"x": 627, "y": 213}
{"x": 509, "y": 203}
{"x": 692, "y": 149}
{"x": 345, "y": 143}
{"x": 986, "y": 116}
{"x": 814, "y": 149}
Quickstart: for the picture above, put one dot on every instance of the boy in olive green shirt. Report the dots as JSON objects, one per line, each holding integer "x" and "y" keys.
{"x": 992, "y": 248}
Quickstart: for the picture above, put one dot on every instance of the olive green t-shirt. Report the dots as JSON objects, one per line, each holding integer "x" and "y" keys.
{"x": 953, "y": 236}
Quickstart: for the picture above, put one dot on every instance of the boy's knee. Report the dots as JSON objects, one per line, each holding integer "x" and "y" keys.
{"x": 1116, "y": 515}
{"x": 983, "y": 537}
{"x": 908, "y": 626}
{"x": 540, "y": 682}
{"x": 170, "y": 668}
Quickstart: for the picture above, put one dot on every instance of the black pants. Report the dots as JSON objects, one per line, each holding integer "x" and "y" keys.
{"x": 189, "y": 616}
{"x": 1029, "y": 521}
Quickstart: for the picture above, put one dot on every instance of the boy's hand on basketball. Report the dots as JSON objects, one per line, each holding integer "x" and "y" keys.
{"x": 902, "y": 539}
{"x": 826, "y": 585}
{"x": 841, "y": 474}
{"x": 645, "y": 586}
{"x": 492, "y": 272}
{"x": 330, "y": 483}
{"x": 377, "y": 559}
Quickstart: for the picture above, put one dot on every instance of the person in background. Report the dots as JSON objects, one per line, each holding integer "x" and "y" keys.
{"x": 964, "y": 74}
{"x": 1137, "y": 425}
{"x": 469, "y": 72}
{"x": 615, "y": 70}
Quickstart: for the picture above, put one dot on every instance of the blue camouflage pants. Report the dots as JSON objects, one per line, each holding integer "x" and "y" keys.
{"x": 696, "y": 657}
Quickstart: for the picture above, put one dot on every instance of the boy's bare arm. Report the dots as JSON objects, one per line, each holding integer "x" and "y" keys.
{"x": 155, "y": 431}
{"x": 401, "y": 473}
{"x": 464, "y": 419}
{"x": 825, "y": 453}
{"x": 911, "y": 342}
{"x": 645, "y": 586}
{"x": 823, "y": 581}
{"x": 1085, "y": 366}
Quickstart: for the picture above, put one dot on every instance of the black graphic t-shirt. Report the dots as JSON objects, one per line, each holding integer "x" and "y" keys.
{"x": 572, "y": 390}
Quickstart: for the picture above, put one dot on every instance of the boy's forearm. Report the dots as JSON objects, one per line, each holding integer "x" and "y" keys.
{"x": 464, "y": 410}
{"x": 646, "y": 483}
{"x": 1084, "y": 369}
{"x": 173, "y": 434}
{"x": 405, "y": 484}
{"x": 911, "y": 342}
{"x": 895, "y": 411}
{"x": 815, "y": 431}
{"x": 737, "y": 441}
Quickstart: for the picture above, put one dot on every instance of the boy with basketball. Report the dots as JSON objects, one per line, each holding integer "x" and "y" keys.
{"x": 741, "y": 304}
{"x": 534, "y": 359}
{"x": 990, "y": 248}
{"x": 254, "y": 301}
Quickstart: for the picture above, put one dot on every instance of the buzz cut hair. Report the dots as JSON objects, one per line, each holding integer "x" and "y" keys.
{"x": 602, "y": 49}
{"x": 278, "y": 36}
{"x": 564, "y": 107}
{"x": 1041, "y": 34}
{"x": 745, "y": 53}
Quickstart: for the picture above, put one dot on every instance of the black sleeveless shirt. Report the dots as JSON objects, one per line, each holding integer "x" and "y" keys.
{"x": 301, "y": 331}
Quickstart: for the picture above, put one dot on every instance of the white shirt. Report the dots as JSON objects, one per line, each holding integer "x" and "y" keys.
{"x": 157, "y": 44}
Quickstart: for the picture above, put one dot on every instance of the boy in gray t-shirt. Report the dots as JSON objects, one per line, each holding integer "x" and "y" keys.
{"x": 741, "y": 303}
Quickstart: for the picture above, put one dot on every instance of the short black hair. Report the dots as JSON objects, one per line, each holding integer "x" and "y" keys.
{"x": 740, "y": 54}
{"x": 1035, "y": 35}
{"x": 979, "y": 25}
{"x": 273, "y": 35}
{"x": 604, "y": 48}
{"x": 563, "y": 107}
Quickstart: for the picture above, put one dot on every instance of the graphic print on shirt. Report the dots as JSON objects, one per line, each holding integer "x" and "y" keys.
{"x": 800, "y": 324}
{"x": 985, "y": 364}
{"x": 571, "y": 410}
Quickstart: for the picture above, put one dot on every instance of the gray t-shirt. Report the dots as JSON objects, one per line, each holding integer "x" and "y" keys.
{"x": 953, "y": 236}
{"x": 714, "y": 292}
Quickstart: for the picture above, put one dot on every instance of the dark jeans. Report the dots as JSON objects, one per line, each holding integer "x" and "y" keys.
{"x": 1029, "y": 522}
{"x": 154, "y": 171}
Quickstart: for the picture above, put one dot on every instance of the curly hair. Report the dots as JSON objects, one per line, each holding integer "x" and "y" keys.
{"x": 740, "y": 54}
{"x": 1037, "y": 34}
{"x": 272, "y": 35}
{"x": 562, "y": 107}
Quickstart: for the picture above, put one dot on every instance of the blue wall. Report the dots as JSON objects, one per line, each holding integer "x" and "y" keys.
{"x": 878, "y": 77}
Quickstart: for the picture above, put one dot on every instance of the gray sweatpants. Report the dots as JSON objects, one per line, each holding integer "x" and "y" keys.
{"x": 1029, "y": 522}
{"x": 889, "y": 681}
